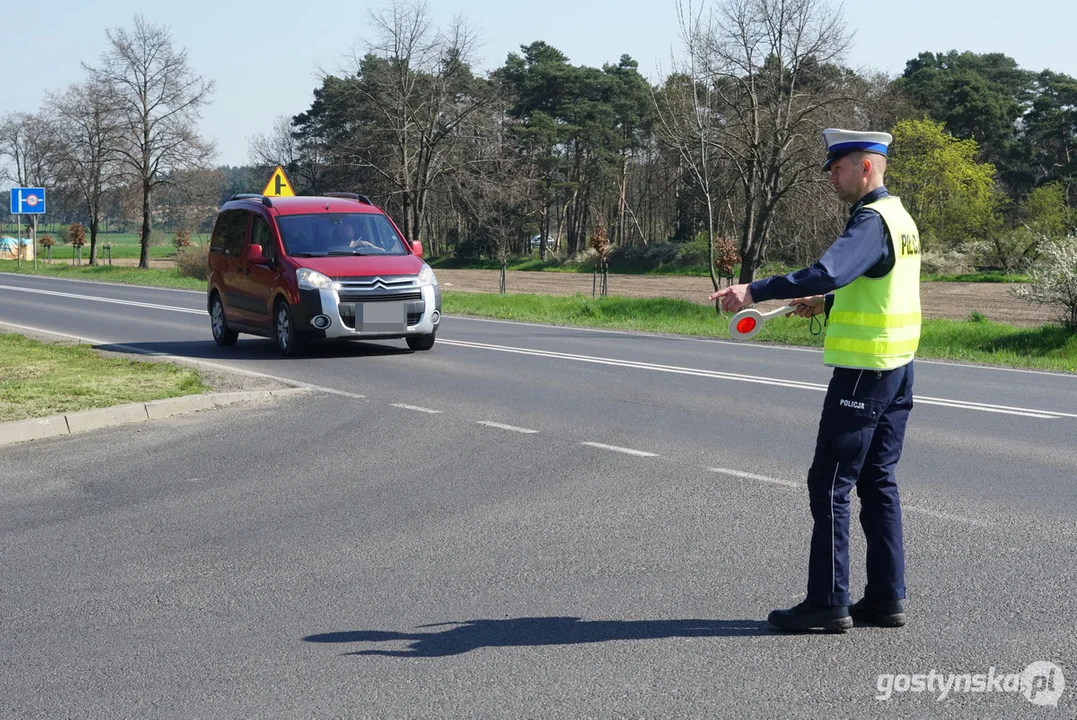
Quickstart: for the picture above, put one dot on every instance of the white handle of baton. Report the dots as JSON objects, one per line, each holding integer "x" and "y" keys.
{"x": 748, "y": 322}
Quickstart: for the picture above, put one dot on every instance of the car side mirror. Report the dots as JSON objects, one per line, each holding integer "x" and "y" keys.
{"x": 255, "y": 255}
{"x": 417, "y": 248}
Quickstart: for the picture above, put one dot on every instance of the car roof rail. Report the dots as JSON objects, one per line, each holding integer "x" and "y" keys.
{"x": 350, "y": 196}
{"x": 253, "y": 196}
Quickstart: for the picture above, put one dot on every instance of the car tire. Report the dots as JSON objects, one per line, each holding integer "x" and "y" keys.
{"x": 420, "y": 342}
{"x": 284, "y": 331}
{"x": 218, "y": 323}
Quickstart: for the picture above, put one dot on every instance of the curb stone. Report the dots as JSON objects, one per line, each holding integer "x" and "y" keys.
{"x": 77, "y": 422}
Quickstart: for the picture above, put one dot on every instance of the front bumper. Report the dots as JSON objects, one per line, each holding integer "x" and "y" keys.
{"x": 422, "y": 306}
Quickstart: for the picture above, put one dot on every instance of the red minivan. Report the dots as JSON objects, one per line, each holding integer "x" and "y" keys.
{"x": 301, "y": 269}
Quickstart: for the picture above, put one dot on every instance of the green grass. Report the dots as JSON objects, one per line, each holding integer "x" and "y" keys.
{"x": 158, "y": 277}
{"x": 40, "y": 379}
{"x": 532, "y": 263}
{"x": 124, "y": 246}
{"x": 977, "y": 277}
{"x": 972, "y": 341}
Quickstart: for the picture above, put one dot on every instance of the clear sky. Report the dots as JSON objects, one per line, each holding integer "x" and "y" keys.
{"x": 267, "y": 57}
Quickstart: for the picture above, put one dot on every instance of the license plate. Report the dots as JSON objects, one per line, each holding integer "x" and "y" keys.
{"x": 380, "y": 317}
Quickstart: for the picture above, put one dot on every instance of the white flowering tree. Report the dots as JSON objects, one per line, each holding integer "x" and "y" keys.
{"x": 1053, "y": 281}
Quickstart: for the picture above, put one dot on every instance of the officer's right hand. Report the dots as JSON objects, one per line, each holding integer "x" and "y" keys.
{"x": 807, "y": 306}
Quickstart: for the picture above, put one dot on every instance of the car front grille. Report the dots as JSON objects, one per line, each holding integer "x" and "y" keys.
{"x": 349, "y": 320}
{"x": 406, "y": 294}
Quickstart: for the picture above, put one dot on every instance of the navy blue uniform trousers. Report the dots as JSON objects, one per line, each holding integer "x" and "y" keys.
{"x": 860, "y": 438}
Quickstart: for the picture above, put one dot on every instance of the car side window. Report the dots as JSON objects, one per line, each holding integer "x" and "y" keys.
{"x": 260, "y": 235}
{"x": 229, "y": 233}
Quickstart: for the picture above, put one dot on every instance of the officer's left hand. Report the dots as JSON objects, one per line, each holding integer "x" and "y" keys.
{"x": 734, "y": 297}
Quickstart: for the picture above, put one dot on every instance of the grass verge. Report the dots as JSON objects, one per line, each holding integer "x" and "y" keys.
{"x": 155, "y": 277}
{"x": 976, "y": 340}
{"x": 40, "y": 379}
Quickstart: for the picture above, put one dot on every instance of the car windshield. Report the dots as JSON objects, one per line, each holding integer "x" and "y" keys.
{"x": 339, "y": 234}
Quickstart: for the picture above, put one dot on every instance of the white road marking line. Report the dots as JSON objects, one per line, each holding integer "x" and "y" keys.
{"x": 796, "y": 384}
{"x": 616, "y": 448}
{"x": 740, "y": 344}
{"x": 501, "y": 426}
{"x": 416, "y": 408}
{"x": 761, "y": 478}
{"x": 944, "y": 516}
{"x": 738, "y": 377}
{"x": 638, "y": 365}
{"x": 638, "y": 334}
{"x": 985, "y": 407}
{"x": 761, "y": 346}
{"x": 802, "y": 487}
{"x": 114, "y": 301}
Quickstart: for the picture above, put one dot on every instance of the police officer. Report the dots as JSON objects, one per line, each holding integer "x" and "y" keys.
{"x": 868, "y": 284}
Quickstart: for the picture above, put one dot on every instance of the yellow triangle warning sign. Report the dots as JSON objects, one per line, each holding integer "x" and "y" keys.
{"x": 279, "y": 185}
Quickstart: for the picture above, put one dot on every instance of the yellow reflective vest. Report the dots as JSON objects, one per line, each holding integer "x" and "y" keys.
{"x": 874, "y": 323}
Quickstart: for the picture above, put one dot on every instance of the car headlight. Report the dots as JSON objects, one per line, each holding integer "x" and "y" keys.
{"x": 313, "y": 280}
{"x": 426, "y": 276}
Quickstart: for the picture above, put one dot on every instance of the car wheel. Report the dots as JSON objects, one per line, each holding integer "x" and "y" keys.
{"x": 219, "y": 324}
{"x": 420, "y": 342}
{"x": 284, "y": 332}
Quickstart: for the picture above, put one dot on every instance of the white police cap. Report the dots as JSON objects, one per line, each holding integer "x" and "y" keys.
{"x": 842, "y": 142}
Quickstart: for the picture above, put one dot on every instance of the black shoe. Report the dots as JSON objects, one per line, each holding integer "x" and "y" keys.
{"x": 884, "y": 613}
{"x": 808, "y": 616}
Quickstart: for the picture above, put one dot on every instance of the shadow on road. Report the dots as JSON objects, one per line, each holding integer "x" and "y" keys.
{"x": 463, "y": 637}
{"x": 256, "y": 349}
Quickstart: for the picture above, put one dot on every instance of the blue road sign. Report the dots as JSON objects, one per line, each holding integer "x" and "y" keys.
{"x": 27, "y": 201}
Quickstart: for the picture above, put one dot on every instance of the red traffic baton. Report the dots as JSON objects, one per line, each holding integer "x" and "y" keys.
{"x": 748, "y": 322}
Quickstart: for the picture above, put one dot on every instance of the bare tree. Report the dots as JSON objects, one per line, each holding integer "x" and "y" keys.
{"x": 29, "y": 141}
{"x": 773, "y": 64}
{"x": 687, "y": 119}
{"x": 277, "y": 147}
{"x": 159, "y": 99}
{"x": 302, "y": 156}
{"x": 87, "y": 133}
{"x": 191, "y": 198}
{"x": 493, "y": 191}
{"x": 417, "y": 85}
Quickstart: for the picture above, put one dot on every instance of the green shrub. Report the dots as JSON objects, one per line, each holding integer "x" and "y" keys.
{"x": 642, "y": 259}
{"x": 694, "y": 253}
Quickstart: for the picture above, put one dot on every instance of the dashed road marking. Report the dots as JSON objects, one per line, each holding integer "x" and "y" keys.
{"x": 803, "y": 487}
{"x": 616, "y": 448}
{"x": 944, "y": 516}
{"x": 502, "y": 426}
{"x": 761, "y": 478}
{"x": 416, "y": 408}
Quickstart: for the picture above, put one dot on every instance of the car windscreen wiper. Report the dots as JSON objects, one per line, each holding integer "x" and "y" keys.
{"x": 346, "y": 252}
{"x": 308, "y": 254}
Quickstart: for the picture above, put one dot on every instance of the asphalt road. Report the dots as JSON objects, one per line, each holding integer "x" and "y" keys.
{"x": 526, "y": 521}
